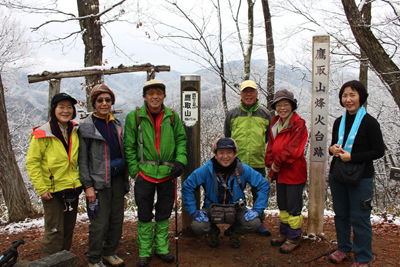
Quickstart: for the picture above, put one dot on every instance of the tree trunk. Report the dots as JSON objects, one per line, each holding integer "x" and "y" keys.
{"x": 387, "y": 70}
{"x": 92, "y": 40}
{"x": 271, "y": 56}
{"x": 250, "y": 27}
{"x": 363, "y": 76}
{"x": 11, "y": 182}
{"x": 221, "y": 61}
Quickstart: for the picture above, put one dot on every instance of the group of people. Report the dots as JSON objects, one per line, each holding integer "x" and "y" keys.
{"x": 99, "y": 156}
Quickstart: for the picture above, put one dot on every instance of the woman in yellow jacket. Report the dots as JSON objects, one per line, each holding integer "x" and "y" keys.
{"x": 52, "y": 163}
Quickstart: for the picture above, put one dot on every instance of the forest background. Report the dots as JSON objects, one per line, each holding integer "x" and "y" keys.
{"x": 224, "y": 42}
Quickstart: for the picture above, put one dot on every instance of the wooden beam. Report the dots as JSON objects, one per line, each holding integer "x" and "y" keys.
{"x": 96, "y": 70}
{"x": 54, "y": 88}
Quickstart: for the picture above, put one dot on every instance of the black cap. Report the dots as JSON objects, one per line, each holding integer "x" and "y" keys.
{"x": 226, "y": 143}
{"x": 61, "y": 96}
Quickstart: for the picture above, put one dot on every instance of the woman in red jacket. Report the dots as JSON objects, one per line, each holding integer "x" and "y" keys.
{"x": 285, "y": 157}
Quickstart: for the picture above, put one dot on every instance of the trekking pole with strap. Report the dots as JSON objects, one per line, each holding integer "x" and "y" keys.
{"x": 9, "y": 257}
{"x": 176, "y": 220}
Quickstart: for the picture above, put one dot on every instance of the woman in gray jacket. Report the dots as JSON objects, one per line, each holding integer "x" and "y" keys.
{"x": 104, "y": 175}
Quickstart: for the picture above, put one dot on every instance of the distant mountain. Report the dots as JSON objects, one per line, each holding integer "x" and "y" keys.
{"x": 128, "y": 88}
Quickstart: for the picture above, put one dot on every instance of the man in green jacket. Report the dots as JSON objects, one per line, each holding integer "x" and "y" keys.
{"x": 155, "y": 150}
{"x": 248, "y": 124}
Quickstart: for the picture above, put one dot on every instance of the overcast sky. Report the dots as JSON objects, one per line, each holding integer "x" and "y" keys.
{"x": 137, "y": 47}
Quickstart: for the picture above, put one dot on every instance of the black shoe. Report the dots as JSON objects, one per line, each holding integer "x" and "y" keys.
{"x": 234, "y": 240}
{"x": 213, "y": 239}
{"x": 228, "y": 231}
{"x": 167, "y": 258}
{"x": 143, "y": 261}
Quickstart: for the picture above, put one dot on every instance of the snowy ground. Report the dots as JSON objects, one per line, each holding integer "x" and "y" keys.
{"x": 82, "y": 217}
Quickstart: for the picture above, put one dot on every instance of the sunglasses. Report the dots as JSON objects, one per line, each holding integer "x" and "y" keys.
{"x": 101, "y": 100}
{"x": 151, "y": 93}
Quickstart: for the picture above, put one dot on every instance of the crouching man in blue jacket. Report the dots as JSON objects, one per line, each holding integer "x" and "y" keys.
{"x": 224, "y": 178}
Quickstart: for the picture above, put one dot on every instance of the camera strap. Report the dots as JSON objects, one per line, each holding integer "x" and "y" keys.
{"x": 225, "y": 181}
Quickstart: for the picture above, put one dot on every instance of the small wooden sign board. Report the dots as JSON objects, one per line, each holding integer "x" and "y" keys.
{"x": 395, "y": 173}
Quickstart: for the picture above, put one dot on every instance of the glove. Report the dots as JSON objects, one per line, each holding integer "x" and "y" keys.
{"x": 251, "y": 215}
{"x": 177, "y": 170}
{"x": 199, "y": 216}
{"x": 92, "y": 207}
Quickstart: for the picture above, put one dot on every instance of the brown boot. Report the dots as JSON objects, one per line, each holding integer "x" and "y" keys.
{"x": 290, "y": 245}
{"x": 279, "y": 240}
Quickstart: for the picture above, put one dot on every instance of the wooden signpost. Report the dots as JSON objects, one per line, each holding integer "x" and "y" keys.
{"x": 319, "y": 132}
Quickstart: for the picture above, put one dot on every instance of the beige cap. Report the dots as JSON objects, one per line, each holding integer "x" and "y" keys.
{"x": 154, "y": 83}
{"x": 248, "y": 83}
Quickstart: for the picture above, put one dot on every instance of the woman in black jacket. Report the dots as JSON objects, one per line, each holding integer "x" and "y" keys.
{"x": 356, "y": 139}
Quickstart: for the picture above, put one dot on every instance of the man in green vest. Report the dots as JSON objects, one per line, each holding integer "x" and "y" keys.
{"x": 248, "y": 124}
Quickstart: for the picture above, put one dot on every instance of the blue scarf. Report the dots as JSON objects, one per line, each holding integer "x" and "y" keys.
{"x": 354, "y": 128}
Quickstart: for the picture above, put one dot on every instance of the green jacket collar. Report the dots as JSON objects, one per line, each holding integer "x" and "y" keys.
{"x": 253, "y": 108}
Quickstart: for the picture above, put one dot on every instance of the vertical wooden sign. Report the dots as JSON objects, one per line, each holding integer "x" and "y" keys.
{"x": 319, "y": 131}
{"x": 190, "y": 110}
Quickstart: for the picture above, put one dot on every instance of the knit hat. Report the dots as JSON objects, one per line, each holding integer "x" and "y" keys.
{"x": 99, "y": 89}
{"x": 224, "y": 143}
{"x": 248, "y": 83}
{"x": 153, "y": 83}
{"x": 284, "y": 94}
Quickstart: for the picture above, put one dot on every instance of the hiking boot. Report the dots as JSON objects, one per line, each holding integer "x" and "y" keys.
{"x": 98, "y": 264}
{"x": 213, "y": 239}
{"x": 167, "y": 258}
{"x": 143, "y": 261}
{"x": 358, "y": 264}
{"x": 290, "y": 245}
{"x": 114, "y": 260}
{"x": 263, "y": 231}
{"x": 338, "y": 256}
{"x": 234, "y": 240}
{"x": 279, "y": 240}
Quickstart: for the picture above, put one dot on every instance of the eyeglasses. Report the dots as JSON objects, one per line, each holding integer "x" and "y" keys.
{"x": 101, "y": 100}
{"x": 282, "y": 106}
{"x": 151, "y": 93}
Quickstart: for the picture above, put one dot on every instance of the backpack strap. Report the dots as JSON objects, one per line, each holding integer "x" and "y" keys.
{"x": 142, "y": 161}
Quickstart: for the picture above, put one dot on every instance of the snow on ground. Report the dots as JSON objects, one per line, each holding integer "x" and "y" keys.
{"x": 28, "y": 224}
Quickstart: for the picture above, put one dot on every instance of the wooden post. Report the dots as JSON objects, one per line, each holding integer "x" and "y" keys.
{"x": 54, "y": 89}
{"x": 190, "y": 110}
{"x": 319, "y": 133}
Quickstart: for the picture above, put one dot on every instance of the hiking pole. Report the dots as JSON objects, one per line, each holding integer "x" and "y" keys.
{"x": 176, "y": 221}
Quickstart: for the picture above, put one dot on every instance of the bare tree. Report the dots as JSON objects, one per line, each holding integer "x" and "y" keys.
{"x": 271, "y": 55}
{"x": 11, "y": 183}
{"x": 91, "y": 20}
{"x": 16, "y": 50}
{"x": 91, "y": 35}
{"x": 246, "y": 51}
{"x": 383, "y": 63}
{"x": 364, "y": 64}
{"x": 208, "y": 47}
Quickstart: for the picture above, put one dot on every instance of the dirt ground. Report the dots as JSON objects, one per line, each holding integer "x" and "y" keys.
{"x": 255, "y": 249}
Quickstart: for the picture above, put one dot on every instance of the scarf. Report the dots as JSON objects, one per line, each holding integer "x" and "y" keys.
{"x": 55, "y": 129}
{"x": 221, "y": 169}
{"x": 285, "y": 125}
{"x": 354, "y": 128}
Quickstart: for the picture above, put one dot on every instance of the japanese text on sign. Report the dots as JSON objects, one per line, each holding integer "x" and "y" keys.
{"x": 190, "y": 106}
{"x": 320, "y": 101}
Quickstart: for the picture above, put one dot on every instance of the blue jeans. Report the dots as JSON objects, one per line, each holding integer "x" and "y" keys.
{"x": 352, "y": 206}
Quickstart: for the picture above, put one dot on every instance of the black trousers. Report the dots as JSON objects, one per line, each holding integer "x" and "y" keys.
{"x": 144, "y": 197}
